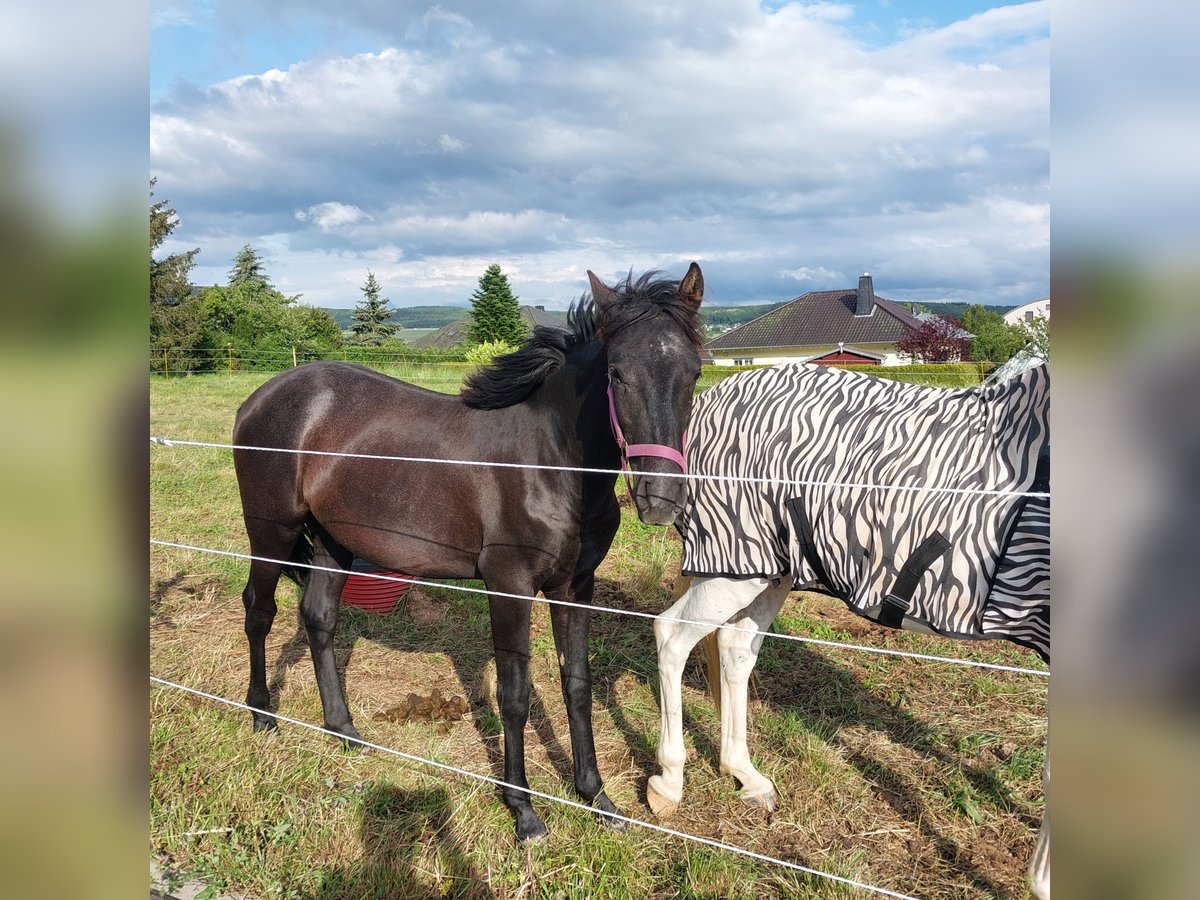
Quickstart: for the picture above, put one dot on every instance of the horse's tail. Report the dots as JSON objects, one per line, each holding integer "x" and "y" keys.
{"x": 302, "y": 556}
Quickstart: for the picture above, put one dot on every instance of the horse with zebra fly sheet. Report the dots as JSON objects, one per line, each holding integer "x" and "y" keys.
{"x": 632, "y": 349}
{"x": 922, "y": 508}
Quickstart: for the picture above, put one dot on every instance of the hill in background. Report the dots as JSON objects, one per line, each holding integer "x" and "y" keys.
{"x": 716, "y": 318}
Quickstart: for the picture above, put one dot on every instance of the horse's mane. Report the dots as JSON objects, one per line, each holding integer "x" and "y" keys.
{"x": 650, "y": 295}
{"x": 512, "y": 378}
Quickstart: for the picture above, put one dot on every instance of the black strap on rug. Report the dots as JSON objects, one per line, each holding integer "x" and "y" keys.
{"x": 897, "y": 601}
{"x": 808, "y": 547}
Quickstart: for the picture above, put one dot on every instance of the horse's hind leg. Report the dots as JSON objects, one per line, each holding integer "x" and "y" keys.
{"x": 739, "y": 651}
{"x": 319, "y": 611}
{"x": 709, "y": 602}
{"x": 258, "y": 598}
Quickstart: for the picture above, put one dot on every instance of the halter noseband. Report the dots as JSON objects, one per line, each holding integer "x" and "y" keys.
{"x": 630, "y": 450}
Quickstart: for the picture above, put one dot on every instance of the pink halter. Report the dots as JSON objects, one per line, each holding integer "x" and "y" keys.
{"x": 630, "y": 450}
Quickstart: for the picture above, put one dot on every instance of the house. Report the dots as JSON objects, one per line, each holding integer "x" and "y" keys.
{"x": 1028, "y": 312}
{"x": 824, "y": 327}
{"x": 456, "y": 332}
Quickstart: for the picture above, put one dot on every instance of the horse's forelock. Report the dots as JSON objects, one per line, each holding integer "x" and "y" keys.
{"x": 648, "y": 297}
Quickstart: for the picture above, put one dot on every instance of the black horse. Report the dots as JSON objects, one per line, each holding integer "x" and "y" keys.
{"x": 520, "y": 530}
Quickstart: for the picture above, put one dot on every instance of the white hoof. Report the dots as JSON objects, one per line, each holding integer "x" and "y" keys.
{"x": 768, "y": 800}
{"x": 656, "y": 797}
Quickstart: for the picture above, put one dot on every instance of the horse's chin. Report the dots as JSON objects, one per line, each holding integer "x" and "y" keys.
{"x": 658, "y": 513}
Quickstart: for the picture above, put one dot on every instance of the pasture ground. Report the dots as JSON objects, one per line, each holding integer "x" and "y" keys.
{"x": 919, "y": 777}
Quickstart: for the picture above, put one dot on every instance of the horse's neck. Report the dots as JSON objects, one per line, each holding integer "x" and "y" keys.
{"x": 578, "y": 396}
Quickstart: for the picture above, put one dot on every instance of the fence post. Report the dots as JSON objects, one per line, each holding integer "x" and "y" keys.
{"x": 230, "y": 358}
{"x": 166, "y": 377}
{"x": 293, "y": 357}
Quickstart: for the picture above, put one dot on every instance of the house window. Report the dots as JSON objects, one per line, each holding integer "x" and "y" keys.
{"x": 744, "y": 361}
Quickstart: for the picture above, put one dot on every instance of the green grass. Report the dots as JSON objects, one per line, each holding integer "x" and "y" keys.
{"x": 887, "y": 768}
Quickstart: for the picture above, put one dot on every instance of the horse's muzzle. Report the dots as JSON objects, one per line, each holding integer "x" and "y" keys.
{"x": 658, "y": 500}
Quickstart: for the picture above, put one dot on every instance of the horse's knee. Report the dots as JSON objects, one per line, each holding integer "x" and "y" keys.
{"x": 318, "y": 614}
{"x": 737, "y": 663}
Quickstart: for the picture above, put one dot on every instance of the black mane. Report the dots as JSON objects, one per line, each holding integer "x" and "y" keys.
{"x": 649, "y": 296}
{"x": 512, "y": 378}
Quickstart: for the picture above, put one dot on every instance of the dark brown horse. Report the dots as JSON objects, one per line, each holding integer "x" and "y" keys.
{"x": 520, "y": 530}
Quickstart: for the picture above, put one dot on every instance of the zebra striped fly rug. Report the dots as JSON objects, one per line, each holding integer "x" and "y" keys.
{"x": 822, "y": 450}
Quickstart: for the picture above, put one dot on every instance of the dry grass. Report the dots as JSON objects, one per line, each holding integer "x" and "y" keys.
{"x": 919, "y": 777}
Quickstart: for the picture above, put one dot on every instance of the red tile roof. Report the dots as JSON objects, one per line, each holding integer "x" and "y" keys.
{"x": 820, "y": 317}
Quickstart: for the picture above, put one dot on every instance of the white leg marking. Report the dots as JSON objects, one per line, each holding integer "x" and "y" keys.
{"x": 712, "y": 601}
{"x": 1039, "y": 865}
{"x": 739, "y": 652}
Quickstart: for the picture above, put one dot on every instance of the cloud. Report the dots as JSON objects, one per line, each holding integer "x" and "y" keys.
{"x": 767, "y": 144}
{"x": 331, "y": 215}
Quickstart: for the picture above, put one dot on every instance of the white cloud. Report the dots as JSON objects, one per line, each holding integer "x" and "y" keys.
{"x": 331, "y": 215}
{"x": 768, "y": 144}
{"x": 818, "y": 275}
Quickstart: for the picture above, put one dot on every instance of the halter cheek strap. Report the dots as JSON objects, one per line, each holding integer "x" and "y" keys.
{"x": 630, "y": 450}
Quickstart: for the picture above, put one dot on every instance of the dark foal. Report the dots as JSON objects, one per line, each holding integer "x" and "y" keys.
{"x": 520, "y": 530}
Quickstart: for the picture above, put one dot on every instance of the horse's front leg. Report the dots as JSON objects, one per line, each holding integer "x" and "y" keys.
{"x": 705, "y": 604}
{"x": 510, "y": 640}
{"x": 738, "y": 649}
{"x": 1039, "y": 865}
{"x": 571, "y": 628}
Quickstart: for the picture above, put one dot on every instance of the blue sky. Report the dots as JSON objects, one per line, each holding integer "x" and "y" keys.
{"x": 786, "y": 147}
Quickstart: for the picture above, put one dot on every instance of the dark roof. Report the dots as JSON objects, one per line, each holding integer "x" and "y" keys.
{"x": 456, "y": 332}
{"x": 820, "y": 317}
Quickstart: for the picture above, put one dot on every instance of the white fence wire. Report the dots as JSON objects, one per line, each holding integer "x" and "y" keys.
{"x": 467, "y": 773}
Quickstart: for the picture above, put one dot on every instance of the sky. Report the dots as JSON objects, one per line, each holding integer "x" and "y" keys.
{"x": 786, "y": 147}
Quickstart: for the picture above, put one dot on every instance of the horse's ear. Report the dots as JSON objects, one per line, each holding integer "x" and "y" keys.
{"x": 600, "y": 292}
{"x": 691, "y": 289}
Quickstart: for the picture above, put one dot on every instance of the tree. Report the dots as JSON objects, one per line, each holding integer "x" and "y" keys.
{"x": 938, "y": 340}
{"x": 168, "y": 276}
{"x": 248, "y": 270}
{"x": 995, "y": 340}
{"x": 494, "y": 310}
{"x": 1037, "y": 336}
{"x": 370, "y": 322}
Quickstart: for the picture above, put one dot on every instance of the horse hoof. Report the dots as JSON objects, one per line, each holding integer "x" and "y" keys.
{"x": 265, "y": 725}
{"x": 661, "y": 805}
{"x": 604, "y": 805}
{"x": 530, "y": 829}
{"x": 350, "y": 739}
{"x": 767, "y": 801}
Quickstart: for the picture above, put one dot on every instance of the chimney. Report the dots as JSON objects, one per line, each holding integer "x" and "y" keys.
{"x": 864, "y": 303}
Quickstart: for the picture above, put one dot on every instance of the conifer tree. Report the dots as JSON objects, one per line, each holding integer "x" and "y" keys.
{"x": 494, "y": 310}
{"x": 248, "y": 270}
{"x": 370, "y": 321}
{"x": 169, "y": 275}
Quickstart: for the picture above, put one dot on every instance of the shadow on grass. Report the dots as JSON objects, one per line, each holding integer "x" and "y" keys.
{"x": 402, "y": 831}
{"x": 824, "y": 696}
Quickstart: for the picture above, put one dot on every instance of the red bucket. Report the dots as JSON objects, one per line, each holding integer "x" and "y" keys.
{"x": 375, "y": 595}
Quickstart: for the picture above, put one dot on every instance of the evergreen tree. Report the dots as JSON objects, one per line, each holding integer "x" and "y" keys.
{"x": 370, "y": 322}
{"x": 169, "y": 275}
{"x": 248, "y": 270}
{"x": 494, "y": 310}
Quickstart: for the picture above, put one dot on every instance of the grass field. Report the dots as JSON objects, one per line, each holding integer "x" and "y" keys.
{"x": 919, "y": 777}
